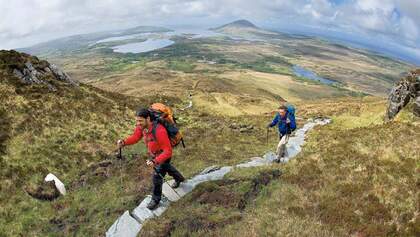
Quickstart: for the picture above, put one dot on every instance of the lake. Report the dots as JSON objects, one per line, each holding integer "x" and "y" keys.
{"x": 302, "y": 72}
{"x": 160, "y": 40}
{"x": 141, "y": 47}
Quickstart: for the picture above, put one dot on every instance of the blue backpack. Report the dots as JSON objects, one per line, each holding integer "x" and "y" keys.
{"x": 291, "y": 109}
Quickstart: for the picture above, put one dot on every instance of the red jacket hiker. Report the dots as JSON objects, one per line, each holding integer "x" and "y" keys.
{"x": 161, "y": 149}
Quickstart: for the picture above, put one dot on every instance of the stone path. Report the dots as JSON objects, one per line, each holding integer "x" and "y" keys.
{"x": 130, "y": 224}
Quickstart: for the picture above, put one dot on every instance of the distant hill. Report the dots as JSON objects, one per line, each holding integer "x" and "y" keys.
{"x": 245, "y": 28}
{"x": 237, "y": 24}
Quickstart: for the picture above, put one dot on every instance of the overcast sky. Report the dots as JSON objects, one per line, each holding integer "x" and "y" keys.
{"x": 393, "y": 22}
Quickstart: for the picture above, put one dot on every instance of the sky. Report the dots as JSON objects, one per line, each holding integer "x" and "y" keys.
{"x": 385, "y": 25}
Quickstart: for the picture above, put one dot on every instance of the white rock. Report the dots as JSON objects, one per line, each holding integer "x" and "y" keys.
{"x": 58, "y": 184}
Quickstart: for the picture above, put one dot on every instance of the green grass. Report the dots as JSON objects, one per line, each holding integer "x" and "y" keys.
{"x": 212, "y": 206}
{"x": 41, "y": 137}
{"x": 268, "y": 64}
{"x": 355, "y": 167}
{"x": 361, "y": 180}
{"x": 66, "y": 133}
{"x": 356, "y": 176}
{"x": 125, "y": 63}
{"x": 181, "y": 65}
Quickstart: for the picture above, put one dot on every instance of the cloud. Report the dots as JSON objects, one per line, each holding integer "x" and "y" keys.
{"x": 25, "y": 22}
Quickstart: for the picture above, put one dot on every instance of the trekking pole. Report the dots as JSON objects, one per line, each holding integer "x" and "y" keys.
{"x": 119, "y": 157}
{"x": 268, "y": 130}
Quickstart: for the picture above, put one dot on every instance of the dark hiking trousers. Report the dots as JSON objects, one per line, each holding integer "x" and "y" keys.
{"x": 163, "y": 168}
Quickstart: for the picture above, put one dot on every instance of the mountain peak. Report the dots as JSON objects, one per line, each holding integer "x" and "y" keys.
{"x": 238, "y": 24}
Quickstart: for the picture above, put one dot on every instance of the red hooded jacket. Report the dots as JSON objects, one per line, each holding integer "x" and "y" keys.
{"x": 161, "y": 149}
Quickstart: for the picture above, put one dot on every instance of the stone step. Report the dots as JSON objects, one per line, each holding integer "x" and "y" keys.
{"x": 141, "y": 212}
{"x": 124, "y": 226}
{"x": 169, "y": 192}
{"x": 163, "y": 205}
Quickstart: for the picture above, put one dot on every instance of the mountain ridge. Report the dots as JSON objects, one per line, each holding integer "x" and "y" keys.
{"x": 242, "y": 23}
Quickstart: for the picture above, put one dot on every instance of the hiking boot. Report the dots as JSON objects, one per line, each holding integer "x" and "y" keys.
{"x": 176, "y": 183}
{"x": 152, "y": 205}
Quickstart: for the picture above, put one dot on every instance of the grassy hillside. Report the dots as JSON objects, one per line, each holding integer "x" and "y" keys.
{"x": 355, "y": 177}
{"x": 72, "y": 132}
{"x": 63, "y": 132}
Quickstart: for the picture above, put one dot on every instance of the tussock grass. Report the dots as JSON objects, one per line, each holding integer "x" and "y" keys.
{"x": 354, "y": 177}
{"x": 70, "y": 131}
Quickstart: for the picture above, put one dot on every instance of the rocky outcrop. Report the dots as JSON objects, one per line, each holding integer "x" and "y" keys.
{"x": 30, "y": 70}
{"x": 407, "y": 89}
{"x": 30, "y": 75}
{"x": 416, "y": 109}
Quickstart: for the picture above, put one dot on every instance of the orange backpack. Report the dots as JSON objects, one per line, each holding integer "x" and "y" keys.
{"x": 164, "y": 115}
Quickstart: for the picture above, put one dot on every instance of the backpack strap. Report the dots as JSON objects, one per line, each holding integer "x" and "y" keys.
{"x": 154, "y": 127}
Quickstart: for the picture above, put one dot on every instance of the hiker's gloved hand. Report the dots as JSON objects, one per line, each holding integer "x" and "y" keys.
{"x": 150, "y": 163}
{"x": 120, "y": 143}
{"x": 287, "y": 120}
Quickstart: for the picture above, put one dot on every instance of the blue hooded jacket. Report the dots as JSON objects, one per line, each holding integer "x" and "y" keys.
{"x": 283, "y": 127}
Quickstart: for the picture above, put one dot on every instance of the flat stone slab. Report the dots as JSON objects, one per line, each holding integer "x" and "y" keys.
{"x": 169, "y": 192}
{"x": 267, "y": 159}
{"x": 270, "y": 156}
{"x": 210, "y": 169}
{"x": 255, "y": 161}
{"x": 124, "y": 226}
{"x": 184, "y": 188}
{"x": 163, "y": 205}
{"x": 215, "y": 175}
{"x": 141, "y": 212}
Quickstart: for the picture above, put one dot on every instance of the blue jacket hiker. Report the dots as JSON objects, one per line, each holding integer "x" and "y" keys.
{"x": 285, "y": 121}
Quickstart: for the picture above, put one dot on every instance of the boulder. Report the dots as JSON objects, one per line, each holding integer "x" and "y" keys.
{"x": 61, "y": 75}
{"x": 416, "y": 109}
{"x": 406, "y": 89}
